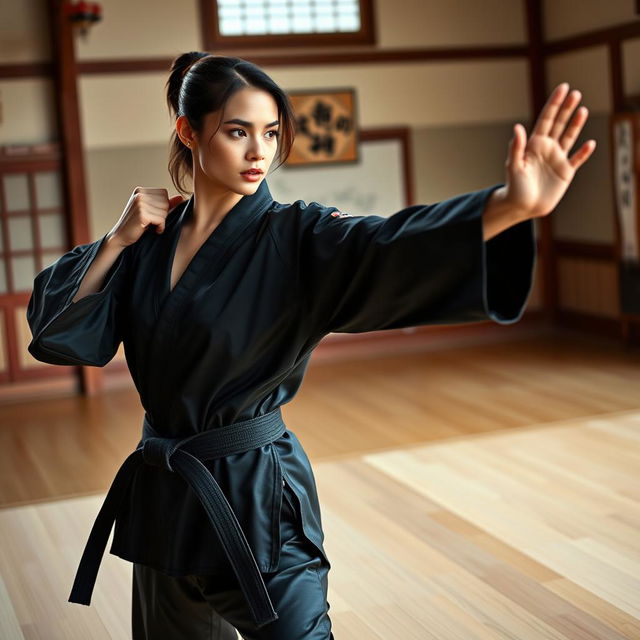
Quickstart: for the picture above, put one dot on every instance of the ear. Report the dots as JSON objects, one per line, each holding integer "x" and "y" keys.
{"x": 183, "y": 128}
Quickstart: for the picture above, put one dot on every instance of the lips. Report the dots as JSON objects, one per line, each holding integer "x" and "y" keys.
{"x": 255, "y": 172}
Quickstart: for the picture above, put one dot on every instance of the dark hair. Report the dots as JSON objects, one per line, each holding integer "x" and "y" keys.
{"x": 200, "y": 83}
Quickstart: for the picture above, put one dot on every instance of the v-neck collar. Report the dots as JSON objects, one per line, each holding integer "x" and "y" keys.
{"x": 209, "y": 260}
{"x": 222, "y": 237}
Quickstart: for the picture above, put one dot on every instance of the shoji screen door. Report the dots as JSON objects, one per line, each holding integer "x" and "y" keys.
{"x": 33, "y": 234}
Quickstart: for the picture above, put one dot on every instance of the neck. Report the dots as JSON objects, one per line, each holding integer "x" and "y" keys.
{"x": 211, "y": 204}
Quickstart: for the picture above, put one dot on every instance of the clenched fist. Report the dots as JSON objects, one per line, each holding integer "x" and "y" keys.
{"x": 145, "y": 206}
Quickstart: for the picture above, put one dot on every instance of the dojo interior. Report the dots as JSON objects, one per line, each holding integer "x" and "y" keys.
{"x": 478, "y": 480}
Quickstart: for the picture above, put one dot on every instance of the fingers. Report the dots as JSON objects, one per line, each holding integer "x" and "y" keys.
{"x": 582, "y": 154}
{"x": 568, "y": 106}
{"x": 152, "y": 190}
{"x": 553, "y": 120}
{"x": 547, "y": 116}
{"x": 150, "y": 206}
{"x": 155, "y": 200}
{"x": 571, "y": 134}
{"x": 517, "y": 146}
{"x": 156, "y": 219}
{"x": 147, "y": 206}
{"x": 174, "y": 201}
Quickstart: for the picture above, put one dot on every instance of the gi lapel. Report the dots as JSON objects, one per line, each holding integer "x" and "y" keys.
{"x": 209, "y": 261}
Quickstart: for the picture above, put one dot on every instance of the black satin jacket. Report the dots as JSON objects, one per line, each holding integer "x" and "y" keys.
{"x": 234, "y": 337}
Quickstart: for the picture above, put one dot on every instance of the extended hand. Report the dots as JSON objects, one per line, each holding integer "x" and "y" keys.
{"x": 539, "y": 170}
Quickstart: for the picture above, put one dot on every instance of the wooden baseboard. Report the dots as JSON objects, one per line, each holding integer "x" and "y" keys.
{"x": 56, "y": 386}
{"x": 600, "y": 325}
{"x": 343, "y": 346}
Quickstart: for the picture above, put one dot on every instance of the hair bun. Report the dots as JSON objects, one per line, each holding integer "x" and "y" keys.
{"x": 179, "y": 68}
{"x": 191, "y": 58}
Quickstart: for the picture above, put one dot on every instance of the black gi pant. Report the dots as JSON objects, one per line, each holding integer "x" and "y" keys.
{"x": 212, "y": 607}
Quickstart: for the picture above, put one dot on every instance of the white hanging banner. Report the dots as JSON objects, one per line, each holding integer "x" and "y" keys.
{"x": 625, "y": 184}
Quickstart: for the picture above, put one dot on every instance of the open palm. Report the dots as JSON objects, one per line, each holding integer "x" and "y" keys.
{"x": 539, "y": 171}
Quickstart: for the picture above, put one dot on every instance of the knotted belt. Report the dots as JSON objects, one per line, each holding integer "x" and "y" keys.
{"x": 184, "y": 456}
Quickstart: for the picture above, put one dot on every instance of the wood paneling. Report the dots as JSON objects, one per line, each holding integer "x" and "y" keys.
{"x": 589, "y": 286}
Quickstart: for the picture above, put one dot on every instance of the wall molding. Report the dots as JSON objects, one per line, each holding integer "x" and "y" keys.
{"x": 591, "y": 250}
{"x": 273, "y": 58}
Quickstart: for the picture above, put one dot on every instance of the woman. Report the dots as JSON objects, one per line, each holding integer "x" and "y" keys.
{"x": 220, "y": 300}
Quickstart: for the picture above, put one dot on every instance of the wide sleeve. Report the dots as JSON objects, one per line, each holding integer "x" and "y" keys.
{"x": 425, "y": 264}
{"x": 88, "y": 331}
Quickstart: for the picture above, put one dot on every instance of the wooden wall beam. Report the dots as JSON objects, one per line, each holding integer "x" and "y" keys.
{"x": 65, "y": 78}
{"x": 538, "y": 90}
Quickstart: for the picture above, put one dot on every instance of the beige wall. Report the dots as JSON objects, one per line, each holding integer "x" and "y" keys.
{"x": 24, "y": 34}
{"x": 461, "y": 113}
{"x": 565, "y": 18}
{"x": 449, "y": 23}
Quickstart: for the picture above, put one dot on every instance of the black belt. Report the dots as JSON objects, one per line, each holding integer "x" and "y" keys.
{"x": 184, "y": 456}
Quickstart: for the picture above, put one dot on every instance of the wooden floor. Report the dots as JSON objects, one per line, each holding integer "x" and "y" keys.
{"x": 484, "y": 492}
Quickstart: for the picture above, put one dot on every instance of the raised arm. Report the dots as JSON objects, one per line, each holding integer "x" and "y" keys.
{"x": 77, "y": 309}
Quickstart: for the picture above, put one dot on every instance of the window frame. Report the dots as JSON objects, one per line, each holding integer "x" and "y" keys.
{"x": 213, "y": 40}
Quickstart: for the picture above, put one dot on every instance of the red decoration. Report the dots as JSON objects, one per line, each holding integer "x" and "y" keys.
{"x": 83, "y": 15}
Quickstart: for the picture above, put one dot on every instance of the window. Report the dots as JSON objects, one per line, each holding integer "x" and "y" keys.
{"x": 281, "y": 23}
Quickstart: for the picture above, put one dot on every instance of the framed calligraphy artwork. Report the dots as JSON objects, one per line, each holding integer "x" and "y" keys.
{"x": 326, "y": 127}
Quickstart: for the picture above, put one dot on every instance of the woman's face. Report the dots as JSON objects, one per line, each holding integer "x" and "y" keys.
{"x": 236, "y": 146}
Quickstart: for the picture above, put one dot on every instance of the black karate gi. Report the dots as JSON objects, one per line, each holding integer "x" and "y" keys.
{"x": 234, "y": 337}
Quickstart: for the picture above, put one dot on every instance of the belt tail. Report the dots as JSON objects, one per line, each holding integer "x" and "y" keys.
{"x": 99, "y": 536}
{"x": 230, "y": 532}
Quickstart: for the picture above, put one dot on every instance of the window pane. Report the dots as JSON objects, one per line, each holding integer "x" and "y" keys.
{"x": 256, "y": 25}
{"x": 326, "y": 24}
{"x": 52, "y": 230}
{"x": 280, "y": 25}
{"x": 258, "y": 17}
{"x": 49, "y": 257}
{"x": 348, "y": 24}
{"x": 347, "y": 11}
{"x": 48, "y": 189}
{"x": 24, "y": 272}
{"x": 301, "y": 12}
{"x": 325, "y": 10}
{"x": 230, "y": 13}
{"x": 16, "y": 191}
{"x": 20, "y": 234}
{"x": 302, "y": 25}
{"x": 231, "y": 27}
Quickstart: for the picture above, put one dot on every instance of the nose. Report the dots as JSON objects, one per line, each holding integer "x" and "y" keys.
{"x": 255, "y": 151}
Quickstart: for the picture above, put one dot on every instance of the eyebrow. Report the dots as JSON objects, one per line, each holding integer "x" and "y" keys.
{"x": 244, "y": 123}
